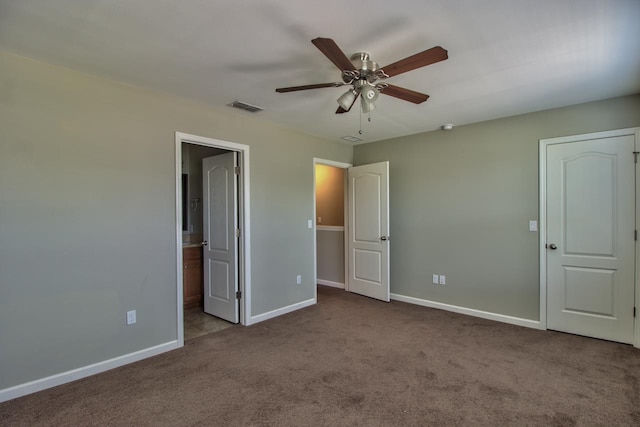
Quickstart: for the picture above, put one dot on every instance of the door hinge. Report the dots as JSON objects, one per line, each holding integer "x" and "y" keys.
{"x": 238, "y": 294}
{"x": 635, "y": 156}
{"x": 237, "y": 170}
{"x": 237, "y": 232}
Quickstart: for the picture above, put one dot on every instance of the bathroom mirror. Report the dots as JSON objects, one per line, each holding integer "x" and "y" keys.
{"x": 185, "y": 198}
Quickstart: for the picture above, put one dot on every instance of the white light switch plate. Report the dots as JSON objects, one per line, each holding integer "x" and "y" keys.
{"x": 310, "y": 223}
{"x": 131, "y": 317}
{"x": 443, "y": 280}
{"x": 533, "y": 225}
{"x": 435, "y": 279}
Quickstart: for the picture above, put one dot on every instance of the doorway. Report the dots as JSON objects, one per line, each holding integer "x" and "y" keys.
{"x": 588, "y": 239}
{"x": 364, "y": 246}
{"x": 198, "y": 246}
{"x": 330, "y": 198}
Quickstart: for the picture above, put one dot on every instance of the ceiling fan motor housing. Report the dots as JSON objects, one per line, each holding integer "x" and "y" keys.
{"x": 365, "y": 69}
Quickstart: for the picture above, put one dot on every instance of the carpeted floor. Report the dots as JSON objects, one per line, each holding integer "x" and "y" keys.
{"x": 353, "y": 361}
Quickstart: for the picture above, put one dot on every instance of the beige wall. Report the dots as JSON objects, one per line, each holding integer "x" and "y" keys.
{"x": 461, "y": 202}
{"x": 329, "y": 195}
{"x": 87, "y": 214}
{"x": 330, "y": 253}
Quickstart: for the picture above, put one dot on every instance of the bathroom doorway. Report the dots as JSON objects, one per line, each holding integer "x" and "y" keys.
{"x": 212, "y": 235}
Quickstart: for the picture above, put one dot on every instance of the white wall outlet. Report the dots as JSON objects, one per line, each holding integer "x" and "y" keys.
{"x": 443, "y": 280}
{"x": 310, "y": 223}
{"x": 131, "y": 317}
{"x": 319, "y": 220}
{"x": 435, "y": 279}
{"x": 299, "y": 279}
{"x": 533, "y": 225}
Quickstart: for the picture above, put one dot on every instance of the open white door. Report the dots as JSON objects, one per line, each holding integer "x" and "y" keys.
{"x": 219, "y": 225}
{"x": 368, "y": 240}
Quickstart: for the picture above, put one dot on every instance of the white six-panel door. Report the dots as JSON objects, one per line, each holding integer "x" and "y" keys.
{"x": 368, "y": 230}
{"x": 219, "y": 224}
{"x": 590, "y": 245}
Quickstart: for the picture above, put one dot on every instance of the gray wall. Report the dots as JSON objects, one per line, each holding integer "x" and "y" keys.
{"x": 461, "y": 202}
{"x": 87, "y": 215}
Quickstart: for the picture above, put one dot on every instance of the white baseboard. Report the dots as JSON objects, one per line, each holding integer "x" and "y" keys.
{"x": 469, "y": 311}
{"x": 85, "y": 371}
{"x": 280, "y": 311}
{"x": 330, "y": 283}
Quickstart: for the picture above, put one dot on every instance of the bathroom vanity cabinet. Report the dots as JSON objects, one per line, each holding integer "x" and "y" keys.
{"x": 192, "y": 281}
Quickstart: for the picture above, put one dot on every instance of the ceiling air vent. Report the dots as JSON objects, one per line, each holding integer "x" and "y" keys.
{"x": 351, "y": 138}
{"x": 244, "y": 106}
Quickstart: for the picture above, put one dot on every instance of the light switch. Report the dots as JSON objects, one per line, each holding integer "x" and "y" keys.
{"x": 310, "y": 223}
{"x": 533, "y": 225}
{"x": 435, "y": 279}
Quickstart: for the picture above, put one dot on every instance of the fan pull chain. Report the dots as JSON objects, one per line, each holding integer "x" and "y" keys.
{"x": 360, "y": 131}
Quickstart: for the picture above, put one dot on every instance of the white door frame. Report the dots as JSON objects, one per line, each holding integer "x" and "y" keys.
{"x": 544, "y": 143}
{"x": 341, "y": 165}
{"x": 244, "y": 255}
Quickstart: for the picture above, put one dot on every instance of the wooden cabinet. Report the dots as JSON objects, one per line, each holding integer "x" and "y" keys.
{"x": 192, "y": 282}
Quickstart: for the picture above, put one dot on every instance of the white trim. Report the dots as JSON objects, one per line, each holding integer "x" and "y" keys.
{"x": 85, "y": 371}
{"x": 329, "y": 227}
{"x": 330, "y": 283}
{"x": 179, "y": 261}
{"x": 543, "y": 144}
{"x": 245, "y": 223}
{"x": 280, "y": 311}
{"x": 542, "y": 233}
{"x": 469, "y": 311}
{"x": 636, "y": 323}
{"x": 341, "y": 165}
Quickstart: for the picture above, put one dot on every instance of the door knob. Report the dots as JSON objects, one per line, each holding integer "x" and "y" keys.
{"x": 204, "y": 243}
{"x": 553, "y": 246}
{"x": 383, "y": 238}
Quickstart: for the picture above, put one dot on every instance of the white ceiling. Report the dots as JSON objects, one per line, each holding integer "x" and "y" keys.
{"x": 506, "y": 57}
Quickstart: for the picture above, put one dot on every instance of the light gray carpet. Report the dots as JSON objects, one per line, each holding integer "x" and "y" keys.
{"x": 354, "y": 361}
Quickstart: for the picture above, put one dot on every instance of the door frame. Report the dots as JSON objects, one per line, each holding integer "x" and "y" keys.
{"x": 345, "y": 166}
{"x": 542, "y": 158}
{"x": 244, "y": 223}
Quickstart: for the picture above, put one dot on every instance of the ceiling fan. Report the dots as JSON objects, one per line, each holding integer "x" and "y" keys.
{"x": 362, "y": 74}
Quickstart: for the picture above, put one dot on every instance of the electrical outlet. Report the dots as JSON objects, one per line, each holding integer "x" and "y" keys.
{"x": 443, "y": 280}
{"x": 131, "y": 317}
{"x": 319, "y": 220}
{"x": 435, "y": 279}
{"x": 299, "y": 279}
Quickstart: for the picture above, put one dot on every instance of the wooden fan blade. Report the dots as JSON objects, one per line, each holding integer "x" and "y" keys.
{"x": 333, "y": 52}
{"x": 341, "y": 110}
{"x": 306, "y": 87}
{"x": 422, "y": 59}
{"x": 405, "y": 94}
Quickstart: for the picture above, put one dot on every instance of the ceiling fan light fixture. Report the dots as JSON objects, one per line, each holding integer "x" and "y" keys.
{"x": 369, "y": 94}
{"x": 347, "y": 98}
{"x": 367, "y": 106}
